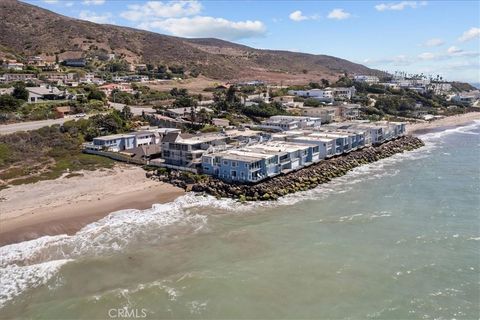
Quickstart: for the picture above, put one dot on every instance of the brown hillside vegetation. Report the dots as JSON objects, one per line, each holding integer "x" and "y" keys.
{"x": 29, "y": 30}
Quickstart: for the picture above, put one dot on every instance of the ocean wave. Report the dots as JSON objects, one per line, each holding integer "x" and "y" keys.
{"x": 16, "y": 279}
{"x": 44, "y": 256}
{"x": 436, "y": 136}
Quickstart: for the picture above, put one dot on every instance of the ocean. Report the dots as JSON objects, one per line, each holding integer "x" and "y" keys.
{"x": 396, "y": 239}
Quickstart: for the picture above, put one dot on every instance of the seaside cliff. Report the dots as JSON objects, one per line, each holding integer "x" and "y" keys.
{"x": 300, "y": 180}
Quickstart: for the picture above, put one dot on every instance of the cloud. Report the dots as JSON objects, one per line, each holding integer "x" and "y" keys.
{"x": 157, "y": 9}
{"x": 96, "y": 17}
{"x": 50, "y": 1}
{"x": 203, "y": 27}
{"x": 93, "y": 2}
{"x": 470, "y": 34}
{"x": 434, "y": 42}
{"x": 297, "y": 16}
{"x": 398, "y": 6}
{"x": 453, "y": 50}
{"x": 426, "y": 56}
{"x": 399, "y": 60}
{"x": 338, "y": 14}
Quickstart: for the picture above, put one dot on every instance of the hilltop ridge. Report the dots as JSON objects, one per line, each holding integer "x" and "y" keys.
{"x": 29, "y": 30}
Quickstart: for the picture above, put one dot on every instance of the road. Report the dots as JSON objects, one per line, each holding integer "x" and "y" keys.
{"x": 136, "y": 110}
{"x": 30, "y": 125}
{"x": 33, "y": 125}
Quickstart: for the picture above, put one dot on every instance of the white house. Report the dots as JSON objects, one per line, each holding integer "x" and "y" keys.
{"x": 366, "y": 79}
{"x": 325, "y": 95}
{"x": 14, "y": 65}
{"x": 39, "y": 94}
{"x": 343, "y": 93}
{"x": 220, "y": 122}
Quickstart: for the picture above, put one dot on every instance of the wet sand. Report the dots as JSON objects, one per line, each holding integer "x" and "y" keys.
{"x": 67, "y": 205}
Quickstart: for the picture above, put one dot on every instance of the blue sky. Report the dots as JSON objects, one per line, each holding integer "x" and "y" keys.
{"x": 433, "y": 37}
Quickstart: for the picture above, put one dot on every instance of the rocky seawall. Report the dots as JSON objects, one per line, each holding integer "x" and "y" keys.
{"x": 300, "y": 180}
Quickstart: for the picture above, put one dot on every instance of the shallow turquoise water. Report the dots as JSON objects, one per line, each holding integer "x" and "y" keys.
{"x": 396, "y": 239}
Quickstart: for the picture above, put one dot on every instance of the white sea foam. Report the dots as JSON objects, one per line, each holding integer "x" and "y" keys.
{"x": 32, "y": 263}
{"x": 16, "y": 279}
{"x": 435, "y": 136}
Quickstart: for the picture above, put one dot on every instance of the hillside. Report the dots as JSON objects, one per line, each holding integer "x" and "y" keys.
{"x": 29, "y": 30}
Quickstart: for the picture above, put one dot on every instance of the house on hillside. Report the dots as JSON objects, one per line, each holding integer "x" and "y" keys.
{"x": 324, "y": 95}
{"x": 342, "y": 93}
{"x": 288, "y": 101}
{"x": 109, "y": 88}
{"x": 185, "y": 113}
{"x": 43, "y": 93}
{"x": 366, "y": 79}
{"x": 36, "y": 61}
{"x": 326, "y": 114}
{"x": 220, "y": 122}
{"x": 10, "y": 77}
{"x": 14, "y": 65}
{"x": 79, "y": 62}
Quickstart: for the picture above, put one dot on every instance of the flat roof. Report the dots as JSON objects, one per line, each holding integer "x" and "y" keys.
{"x": 283, "y": 146}
{"x": 115, "y": 136}
{"x": 239, "y": 154}
{"x": 310, "y": 138}
{"x": 200, "y": 139}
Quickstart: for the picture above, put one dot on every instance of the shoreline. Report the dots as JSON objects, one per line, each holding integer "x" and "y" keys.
{"x": 64, "y": 206}
{"x": 442, "y": 124}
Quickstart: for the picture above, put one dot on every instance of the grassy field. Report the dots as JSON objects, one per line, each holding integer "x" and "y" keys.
{"x": 44, "y": 154}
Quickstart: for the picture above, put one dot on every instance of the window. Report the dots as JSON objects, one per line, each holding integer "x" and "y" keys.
{"x": 225, "y": 162}
{"x": 234, "y": 163}
{"x": 234, "y": 174}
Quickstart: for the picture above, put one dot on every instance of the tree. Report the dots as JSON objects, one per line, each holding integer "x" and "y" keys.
{"x": 184, "y": 102}
{"x": 96, "y": 95}
{"x": 203, "y": 116}
{"x": 179, "y": 92}
{"x": 127, "y": 113}
{"x": 230, "y": 95}
{"x": 8, "y": 103}
{"x": 325, "y": 82}
{"x": 19, "y": 92}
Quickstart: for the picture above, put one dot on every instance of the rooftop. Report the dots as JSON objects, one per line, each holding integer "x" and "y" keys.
{"x": 115, "y": 136}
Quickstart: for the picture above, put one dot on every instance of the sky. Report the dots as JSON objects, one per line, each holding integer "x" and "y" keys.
{"x": 430, "y": 37}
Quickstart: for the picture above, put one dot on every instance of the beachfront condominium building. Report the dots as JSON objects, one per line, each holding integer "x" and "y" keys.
{"x": 257, "y": 162}
{"x": 120, "y": 142}
{"x": 291, "y": 156}
{"x": 284, "y": 122}
{"x": 325, "y": 145}
{"x": 241, "y": 165}
{"x": 186, "y": 153}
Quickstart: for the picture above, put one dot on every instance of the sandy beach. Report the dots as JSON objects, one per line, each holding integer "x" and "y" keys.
{"x": 447, "y": 122}
{"x": 65, "y": 205}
